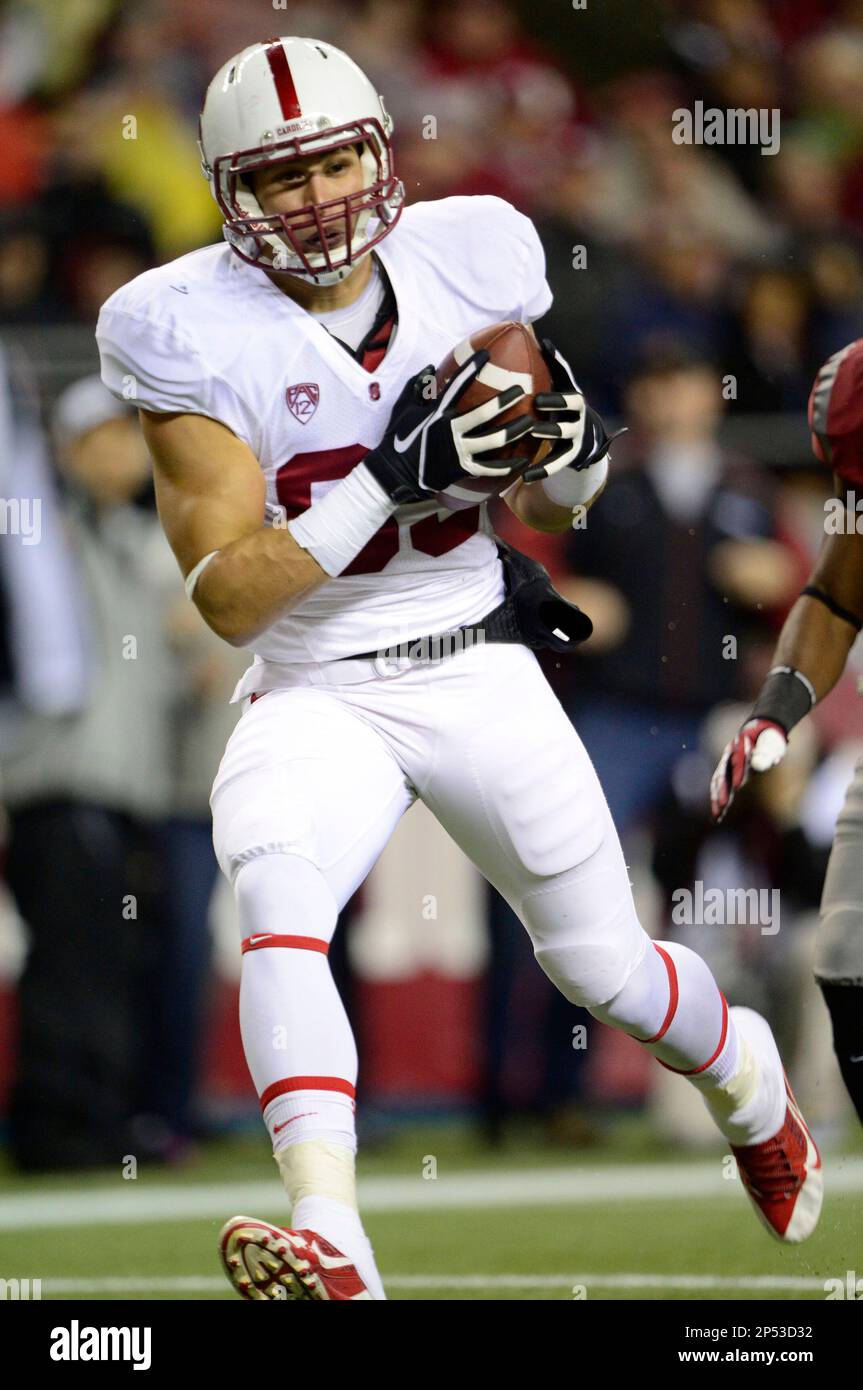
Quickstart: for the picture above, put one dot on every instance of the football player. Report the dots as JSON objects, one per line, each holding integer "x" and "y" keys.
{"x": 810, "y": 657}
{"x": 284, "y": 378}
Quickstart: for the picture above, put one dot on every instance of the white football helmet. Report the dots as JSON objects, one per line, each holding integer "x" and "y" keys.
{"x": 291, "y": 98}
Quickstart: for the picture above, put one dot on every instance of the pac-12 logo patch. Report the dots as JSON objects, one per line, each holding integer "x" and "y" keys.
{"x": 303, "y": 400}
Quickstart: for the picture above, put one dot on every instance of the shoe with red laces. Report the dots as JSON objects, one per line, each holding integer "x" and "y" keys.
{"x": 783, "y": 1176}
{"x": 264, "y": 1261}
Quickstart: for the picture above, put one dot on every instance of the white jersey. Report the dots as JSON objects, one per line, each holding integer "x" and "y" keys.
{"x": 210, "y": 335}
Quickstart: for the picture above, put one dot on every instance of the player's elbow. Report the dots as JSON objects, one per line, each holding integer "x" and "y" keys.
{"x": 229, "y": 616}
{"x": 222, "y": 605}
{"x": 241, "y": 637}
{"x": 231, "y": 630}
{"x": 227, "y": 620}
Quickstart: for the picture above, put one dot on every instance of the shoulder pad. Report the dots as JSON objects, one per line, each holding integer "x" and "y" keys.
{"x": 836, "y": 413}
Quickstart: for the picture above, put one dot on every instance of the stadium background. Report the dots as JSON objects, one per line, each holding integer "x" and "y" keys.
{"x": 697, "y": 290}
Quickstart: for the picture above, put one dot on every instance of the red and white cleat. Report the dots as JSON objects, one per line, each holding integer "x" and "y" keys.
{"x": 264, "y": 1261}
{"x": 783, "y": 1176}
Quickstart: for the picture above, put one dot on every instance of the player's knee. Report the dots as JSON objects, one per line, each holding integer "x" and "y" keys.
{"x": 644, "y": 992}
{"x": 267, "y": 813}
{"x": 839, "y": 943}
{"x": 284, "y": 894}
{"x": 585, "y": 931}
{"x": 586, "y": 973}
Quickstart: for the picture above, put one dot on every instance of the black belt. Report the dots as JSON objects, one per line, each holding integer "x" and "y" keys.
{"x": 532, "y": 614}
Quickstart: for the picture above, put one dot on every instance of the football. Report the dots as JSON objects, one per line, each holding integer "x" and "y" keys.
{"x": 515, "y": 360}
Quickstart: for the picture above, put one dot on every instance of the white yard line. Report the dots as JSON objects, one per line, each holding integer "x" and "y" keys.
{"x": 123, "y": 1202}
{"x": 696, "y": 1282}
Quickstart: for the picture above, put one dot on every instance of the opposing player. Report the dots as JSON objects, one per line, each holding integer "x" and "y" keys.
{"x": 281, "y": 377}
{"x": 810, "y": 657}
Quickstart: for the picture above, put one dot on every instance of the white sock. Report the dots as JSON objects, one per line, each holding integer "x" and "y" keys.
{"x": 672, "y": 1004}
{"x": 319, "y": 1180}
{"x": 750, "y": 1107}
{"x": 342, "y": 1227}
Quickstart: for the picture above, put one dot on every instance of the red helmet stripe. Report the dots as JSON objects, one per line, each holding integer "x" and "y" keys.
{"x": 283, "y": 78}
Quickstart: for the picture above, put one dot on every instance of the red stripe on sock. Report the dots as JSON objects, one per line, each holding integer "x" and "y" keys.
{"x": 306, "y": 1083}
{"x": 674, "y": 996}
{"x": 300, "y": 943}
{"x": 284, "y": 80}
{"x": 709, "y": 1063}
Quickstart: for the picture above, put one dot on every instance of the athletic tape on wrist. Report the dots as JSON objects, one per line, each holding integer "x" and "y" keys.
{"x": 569, "y": 488}
{"x": 337, "y": 527}
{"x": 786, "y": 697}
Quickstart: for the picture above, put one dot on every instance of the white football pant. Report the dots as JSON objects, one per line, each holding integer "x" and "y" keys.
{"x": 312, "y": 784}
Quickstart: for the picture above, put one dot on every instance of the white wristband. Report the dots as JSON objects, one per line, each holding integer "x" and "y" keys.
{"x": 336, "y": 527}
{"x": 194, "y": 574}
{"x": 569, "y": 488}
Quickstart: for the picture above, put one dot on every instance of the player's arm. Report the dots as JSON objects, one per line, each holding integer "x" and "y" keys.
{"x": 810, "y": 657}
{"x": 821, "y": 628}
{"x": 531, "y": 504}
{"x": 574, "y": 472}
{"x": 211, "y": 496}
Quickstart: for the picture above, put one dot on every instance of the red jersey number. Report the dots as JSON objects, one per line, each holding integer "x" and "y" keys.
{"x": 431, "y": 536}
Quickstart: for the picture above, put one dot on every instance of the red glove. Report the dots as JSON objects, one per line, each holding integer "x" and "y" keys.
{"x": 759, "y": 744}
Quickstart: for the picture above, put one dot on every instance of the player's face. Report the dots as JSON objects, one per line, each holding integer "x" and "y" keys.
{"x": 298, "y": 182}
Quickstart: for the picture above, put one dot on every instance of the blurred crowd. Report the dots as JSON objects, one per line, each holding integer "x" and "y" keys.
{"x": 693, "y": 284}
{"x": 755, "y": 257}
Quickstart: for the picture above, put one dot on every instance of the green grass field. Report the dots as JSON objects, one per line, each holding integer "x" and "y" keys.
{"x": 521, "y": 1223}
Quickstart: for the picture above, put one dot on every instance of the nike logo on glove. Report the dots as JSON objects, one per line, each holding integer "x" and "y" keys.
{"x": 400, "y": 445}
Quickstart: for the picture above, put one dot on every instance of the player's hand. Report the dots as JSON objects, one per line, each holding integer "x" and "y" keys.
{"x": 760, "y": 744}
{"x": 428, "y": 445}
{"x": 565, "y": 417}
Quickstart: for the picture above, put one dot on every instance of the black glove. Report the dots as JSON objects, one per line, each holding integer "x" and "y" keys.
{"x": 578, "y": 430}
{"x": 428, "y": 445}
